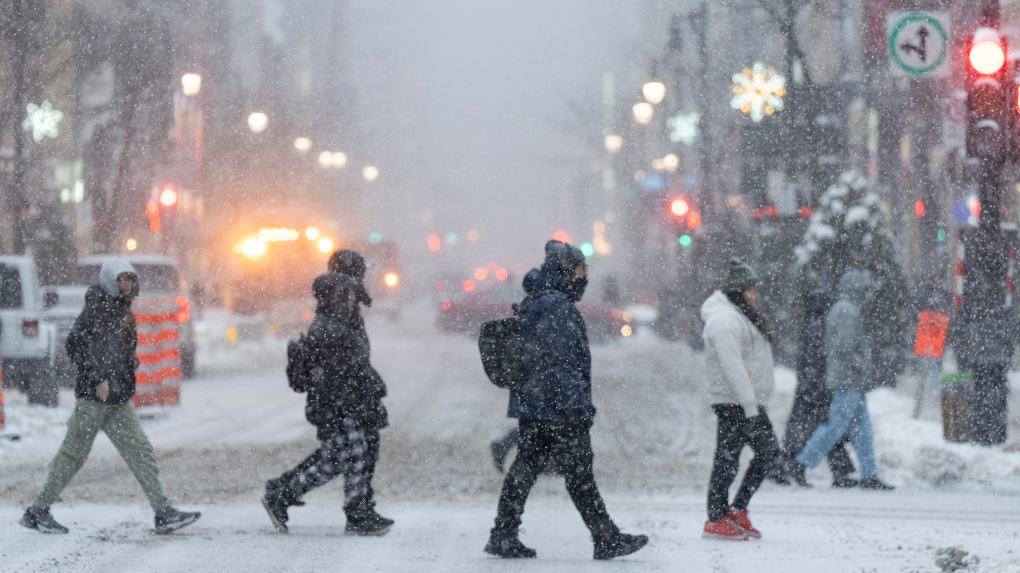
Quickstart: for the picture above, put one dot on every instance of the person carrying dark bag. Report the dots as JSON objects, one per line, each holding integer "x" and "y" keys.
{"x": 554, "y": 407}
{"x": 336, "y": 356}
{"x": 365, "y": 402}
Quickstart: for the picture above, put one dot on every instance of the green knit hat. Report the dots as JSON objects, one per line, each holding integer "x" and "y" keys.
{"x": 739, "y": 276}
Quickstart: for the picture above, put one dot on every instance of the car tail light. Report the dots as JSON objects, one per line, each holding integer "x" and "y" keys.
{"x": 446, "y": 305}
{"x": 183, "y": 314}
{"x": 30, "y": 328}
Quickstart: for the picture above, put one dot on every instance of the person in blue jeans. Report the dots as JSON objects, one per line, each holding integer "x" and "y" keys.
{"x": 849, "y": 375}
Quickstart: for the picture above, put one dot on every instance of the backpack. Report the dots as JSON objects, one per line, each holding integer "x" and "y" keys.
{"x": 299, "y": 366}
{"x": 502, "y": 348}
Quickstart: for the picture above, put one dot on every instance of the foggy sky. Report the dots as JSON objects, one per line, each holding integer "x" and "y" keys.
{"x": 459, "y": 93}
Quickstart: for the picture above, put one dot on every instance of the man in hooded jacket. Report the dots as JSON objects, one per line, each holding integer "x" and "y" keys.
{"x": 555, "y": 409}
{"x": 364, "y": 402}
{"x": 102, "y": 345}
{"x": 848, "y": 373}
{"x": 338, "y": 354}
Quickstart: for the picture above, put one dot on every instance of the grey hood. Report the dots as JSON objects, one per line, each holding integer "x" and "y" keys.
{"x": 113, "y": 268}
{"x": 854, "y": 285}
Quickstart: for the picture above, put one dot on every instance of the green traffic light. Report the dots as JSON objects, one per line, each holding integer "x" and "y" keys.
{"x": 685, "y": 241}
{"x": 942, "y": 235}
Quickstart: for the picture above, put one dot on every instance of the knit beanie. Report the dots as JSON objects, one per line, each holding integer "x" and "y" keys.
{"x": 739, "y": 276}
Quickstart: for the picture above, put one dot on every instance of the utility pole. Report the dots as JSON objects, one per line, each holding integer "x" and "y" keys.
{"x": 699, "y": 22}
{"x": 17, "y": 200}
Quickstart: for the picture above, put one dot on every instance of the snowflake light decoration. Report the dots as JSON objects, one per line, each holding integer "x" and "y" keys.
{"x": 684, "y": 127}
{"x": 42, "y": 121}
{"x": 758, "y": 91}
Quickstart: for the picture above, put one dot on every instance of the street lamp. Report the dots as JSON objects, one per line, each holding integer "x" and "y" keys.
{"x": 643, "y": 112}
{"x": 325, "y": 160}
{"x": 339, "y": 159}
{"x": 303, "y": 144}
{"x": 370, "y": 173}
{"x": 613, "y": 143}
{"x": 257, "y": 122}
{"x": 191, "y": 84}
{"x": 654, "y": 91}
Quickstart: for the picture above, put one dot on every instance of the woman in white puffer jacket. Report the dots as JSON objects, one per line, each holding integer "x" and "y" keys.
{"x": 738, "y": 356}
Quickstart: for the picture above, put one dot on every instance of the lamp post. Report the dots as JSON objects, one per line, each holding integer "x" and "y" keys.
{"x": 613, "y": 143}
{"x": 191, "y": 84}
{"x": 643, "y": 112}
{"x": 654, "y": 91}
{"x": 258, "y": 122}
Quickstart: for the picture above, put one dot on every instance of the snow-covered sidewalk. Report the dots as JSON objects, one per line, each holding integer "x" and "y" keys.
{"x": 822, "y": 530}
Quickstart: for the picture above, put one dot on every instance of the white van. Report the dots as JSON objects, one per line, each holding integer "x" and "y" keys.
{"x": 28, "y": 341}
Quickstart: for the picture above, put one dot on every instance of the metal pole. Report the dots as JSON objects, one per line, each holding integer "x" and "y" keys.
{"x": 17, "y": 199}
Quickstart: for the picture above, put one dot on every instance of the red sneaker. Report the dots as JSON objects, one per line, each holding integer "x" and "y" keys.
{"x": 743, "y": 521}
{"x": 723, "y": 529}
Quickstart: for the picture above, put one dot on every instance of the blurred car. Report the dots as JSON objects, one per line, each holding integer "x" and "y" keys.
{"x": 465, "y": 311}
{"x": 162, "y": 286}
{"x": 28, "y": 342}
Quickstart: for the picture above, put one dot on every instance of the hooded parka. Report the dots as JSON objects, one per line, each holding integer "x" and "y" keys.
{"x": 104, "y": 337}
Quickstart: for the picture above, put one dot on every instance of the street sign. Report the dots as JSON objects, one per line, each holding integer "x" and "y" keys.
{"x": 918, "y": 43}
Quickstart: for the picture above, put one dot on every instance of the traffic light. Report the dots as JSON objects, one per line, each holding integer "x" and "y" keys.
{"x": 988, "y": 96}
{"x": 683, "y": 213}
{"x": 679, "y": 207}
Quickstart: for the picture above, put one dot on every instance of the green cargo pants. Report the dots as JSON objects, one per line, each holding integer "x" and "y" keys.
{"x": 120, "y": 423}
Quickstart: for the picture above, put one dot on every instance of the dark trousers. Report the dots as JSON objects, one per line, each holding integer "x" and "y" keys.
{"x": 810, "y": 410}
{"x": 371, "y": 458}
{"x": 343, "y": 453}
{"x": 988, "y": 404}
{"x": 734, "y": 432}
{"x": 570, "y": 443}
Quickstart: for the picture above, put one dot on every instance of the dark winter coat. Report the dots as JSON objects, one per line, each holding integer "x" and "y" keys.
{"x": 365, "y": 400}
{"x": 557, "y": 356}
{"x": 848, "y": 353}
{"x": 104, "y": 338}
{"x": 337, "y": 353}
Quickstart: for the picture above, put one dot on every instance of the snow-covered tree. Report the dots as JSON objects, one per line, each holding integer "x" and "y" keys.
{"x": 848, "y": 230}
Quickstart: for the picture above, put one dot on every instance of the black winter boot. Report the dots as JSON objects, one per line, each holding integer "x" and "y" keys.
{"x": 276, "y": 501}
{"x": 41, "y": 520}
{"x": 618, "y": 545}
{"x": 875, "y": 484}
{"x": 508, "y": 546}
{"x": 169, "y": 519}
{"x": 369, "y": 524}
{"x": 844, "y": 482}
{"x": 795, "y": 471}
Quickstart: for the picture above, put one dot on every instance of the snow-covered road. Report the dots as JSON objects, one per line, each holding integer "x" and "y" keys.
{"x": 845, "y": 532}
{"x": 239, "y": 424}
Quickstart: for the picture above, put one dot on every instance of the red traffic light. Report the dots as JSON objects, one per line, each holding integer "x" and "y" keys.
{"x": 168, "y": 197}
{"x": 679, "y": 207}
{"x": 987, "y": 52}
{"x": 919, "y": 208}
